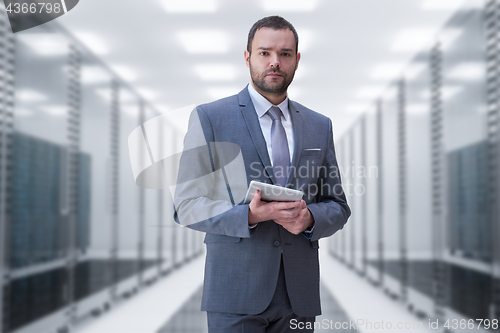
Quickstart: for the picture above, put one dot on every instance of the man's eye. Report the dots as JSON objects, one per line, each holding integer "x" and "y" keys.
{"x": 286, "y": 54}
{"x": 263, "y": 53}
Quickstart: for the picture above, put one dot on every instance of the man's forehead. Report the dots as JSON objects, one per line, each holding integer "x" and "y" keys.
{"x": 285, "y": 30}
{"x": 283, "y": 37}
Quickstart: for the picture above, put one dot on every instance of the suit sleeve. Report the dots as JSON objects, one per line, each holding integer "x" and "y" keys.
{"x": 330, "y": 209}
{"x": 203, "y": 199}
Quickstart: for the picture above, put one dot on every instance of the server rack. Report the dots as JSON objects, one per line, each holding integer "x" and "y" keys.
{"x": 363, "y": 182}
{"x": 392, "y": 256}
{"x": 356, "y": 196}
{"x": 492, "y": 17}
{"x": 402, "y": 189}
{"x": 468, "y": 247}
{"x": 94, "y": 271}
{"x": 454, "y": 274}
{"x": 114, "y": 174}
{"x": 347, "y": 233}
{"x": 54, "y": 270}
{"x": 168, "y": 225}
{"x": 439, "y": 271}
{"x": 131, "y": 200}
{"x": 75, "y": 179}
{"x": 43, "y": 174}
{"x": 380, "y": 193}
{"x": 418, "y": 179}
{"x": 371, "y": 198}
{"x": 151, "y": 233}
{"x": 336, "y": 243}
{"x": 356, "y": 221}
{"x": 343, "y": 236}
{"x": 7, "y": 43}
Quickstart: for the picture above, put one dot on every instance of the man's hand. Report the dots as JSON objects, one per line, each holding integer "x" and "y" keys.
{"x": 293, "y": 216}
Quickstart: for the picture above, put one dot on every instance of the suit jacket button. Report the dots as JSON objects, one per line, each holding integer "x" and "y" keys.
{"x": 276, "y": 243}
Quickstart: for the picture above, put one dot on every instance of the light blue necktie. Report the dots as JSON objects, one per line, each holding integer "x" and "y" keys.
{"x": 279, "y": 145}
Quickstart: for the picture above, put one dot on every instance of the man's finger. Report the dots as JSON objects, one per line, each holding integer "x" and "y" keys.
{"x": 288, "y": 205}
{"x": 257, "y": 197}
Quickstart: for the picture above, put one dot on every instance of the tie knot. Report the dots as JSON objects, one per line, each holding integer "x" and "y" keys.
{"x": 275, "y": 113}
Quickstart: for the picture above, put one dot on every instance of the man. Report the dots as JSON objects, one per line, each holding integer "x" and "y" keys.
{"x": 262, "y": 270}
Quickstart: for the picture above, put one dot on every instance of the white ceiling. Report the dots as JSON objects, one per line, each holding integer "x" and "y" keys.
{"x": 346, "y": 47}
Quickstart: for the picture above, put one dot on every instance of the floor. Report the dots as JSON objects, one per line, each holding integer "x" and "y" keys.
{"x": 189, "y": 319}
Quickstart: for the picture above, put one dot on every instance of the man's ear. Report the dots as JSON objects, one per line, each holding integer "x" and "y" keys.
{"x": 247, "y": 57}
{"x": 298, "y": 58}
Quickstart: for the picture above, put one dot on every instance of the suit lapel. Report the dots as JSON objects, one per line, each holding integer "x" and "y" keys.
{"x": 298, "y": 137}
{"x": 252, "y": 122}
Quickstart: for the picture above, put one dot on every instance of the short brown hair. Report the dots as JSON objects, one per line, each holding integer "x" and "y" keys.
{"x": 274, "y": 22}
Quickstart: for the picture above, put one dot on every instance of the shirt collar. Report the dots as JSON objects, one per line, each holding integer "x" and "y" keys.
{"x": 261, "y": 104}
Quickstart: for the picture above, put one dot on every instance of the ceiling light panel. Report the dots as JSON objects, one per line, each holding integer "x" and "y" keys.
{"x": 306, "y": 39}
{"x": 124, "y": 72}
{"x": 386, "y": 71}
{"x": 203, "y": 41}
{"x": 471, "y": 71}
{"x": 450, "y": 5}
{"x": 359, "y": 108}
{"x": 94, "y": 75}
{"x": 45, "y": 44}
{"x": 30, "y": 96}
{"x": 55, "y": 110}
{"x": 216, "y": 72}
{"x": 147, "y": 94}
{"x": 22, "y": 112}
{"x": 412, "y": 40}
{"x": 450, "y": 92}
{"x": 130, "y": 110}
{"x": 289, "y": 5}
{"x": 220, "y": 92}
{"x": 93, "y": 42}
{"x": 189, "y": 6}
{"x": 447, "y": 92}
{"x": 369, "y": 92}
{"x": 417, "y": 108}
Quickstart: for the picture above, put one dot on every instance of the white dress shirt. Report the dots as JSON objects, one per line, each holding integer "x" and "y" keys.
{"x": 262, "y": 105}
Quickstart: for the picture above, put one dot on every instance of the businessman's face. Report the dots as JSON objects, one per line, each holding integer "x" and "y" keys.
{"x": 273, "y": 60}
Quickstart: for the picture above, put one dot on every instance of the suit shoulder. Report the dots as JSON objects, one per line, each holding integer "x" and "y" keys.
{"x": 219, "y": 106}
{"x": 311, "y": 114}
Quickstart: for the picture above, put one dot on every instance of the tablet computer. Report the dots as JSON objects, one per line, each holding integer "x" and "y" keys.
{"x": 271, "y": 192}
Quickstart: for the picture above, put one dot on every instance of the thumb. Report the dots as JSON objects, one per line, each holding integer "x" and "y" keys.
{"x": 257, "y": 197}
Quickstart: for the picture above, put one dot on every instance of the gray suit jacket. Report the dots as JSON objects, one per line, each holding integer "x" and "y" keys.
{"x": 242, "y": 265}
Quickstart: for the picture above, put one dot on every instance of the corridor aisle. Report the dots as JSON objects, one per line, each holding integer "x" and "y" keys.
{"x": 172, "y": 305}
{"x": 151, "y": 307}
{"x": 366, "y": 304}
{"x": 189, "y": 319}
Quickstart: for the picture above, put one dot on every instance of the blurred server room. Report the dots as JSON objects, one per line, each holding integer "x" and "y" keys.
{"x": 412, "y": 88}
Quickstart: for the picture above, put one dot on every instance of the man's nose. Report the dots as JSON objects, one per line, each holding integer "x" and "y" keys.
{"x": 275, "y": 61}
